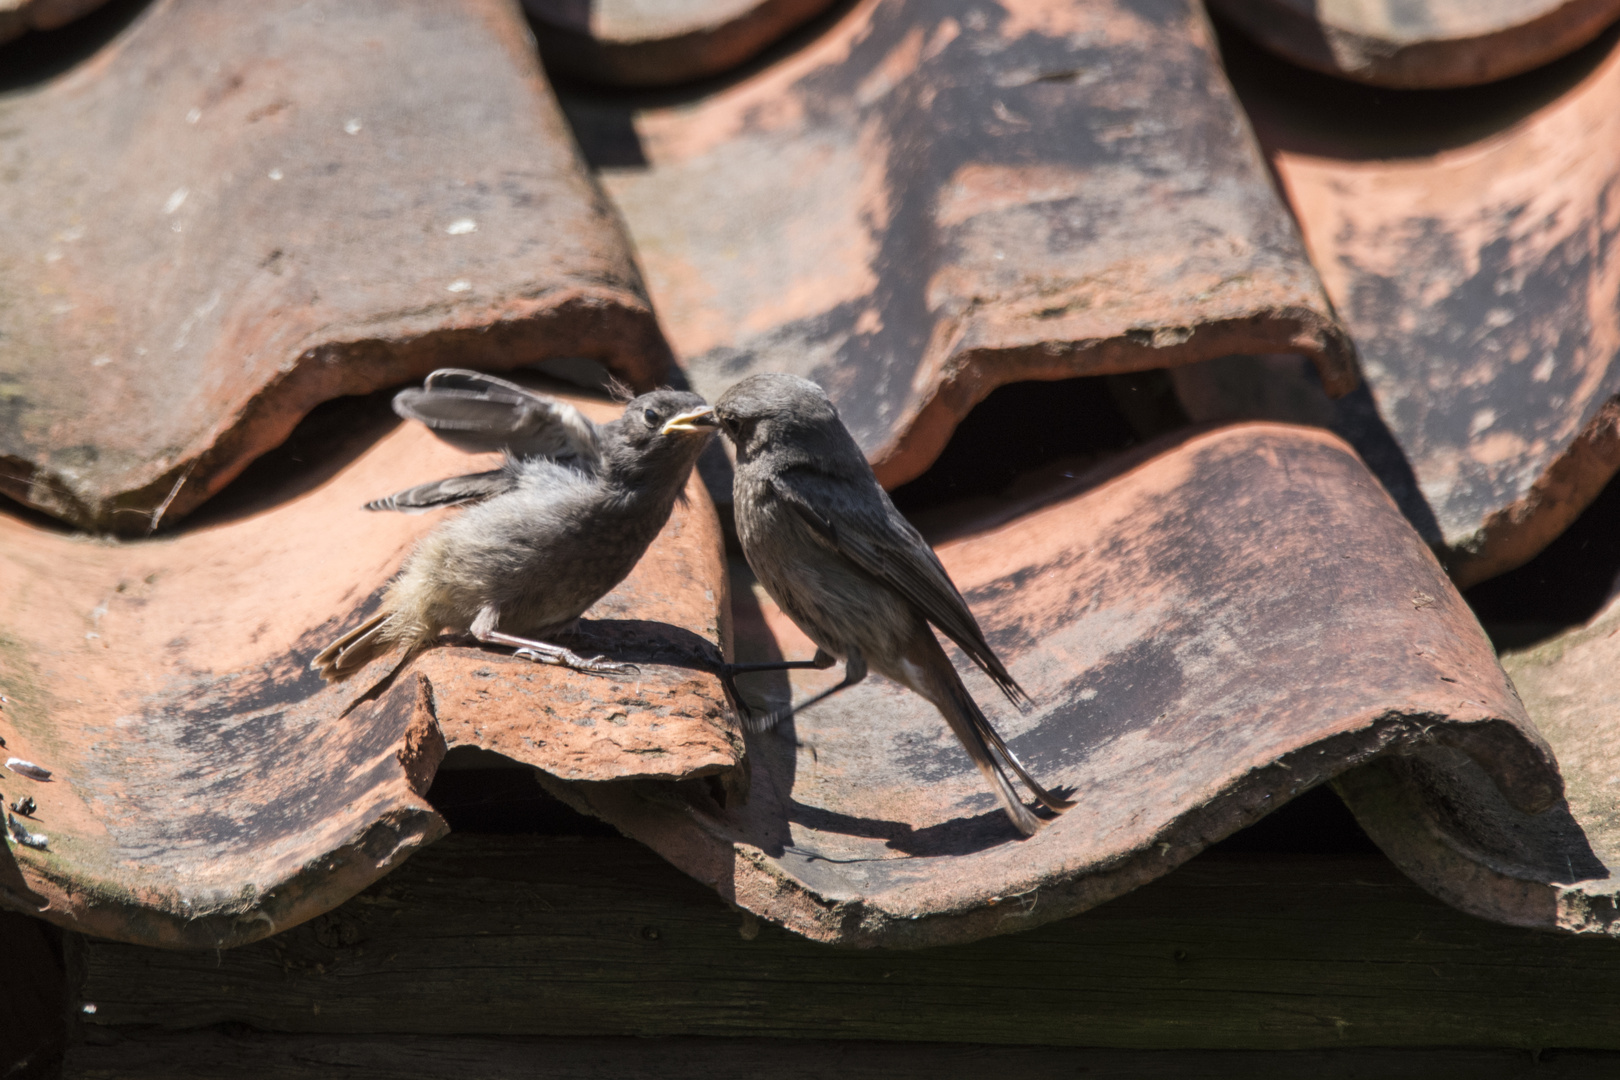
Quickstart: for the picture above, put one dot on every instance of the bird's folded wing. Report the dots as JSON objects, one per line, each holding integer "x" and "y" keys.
{"x": 452, "y": 492}
{"x": 871, "y": 533}
{"x": 481, "y": 412}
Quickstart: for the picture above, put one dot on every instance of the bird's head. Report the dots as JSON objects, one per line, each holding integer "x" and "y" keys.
{"x": 669, "y": 426}
{"x": 769, "y": 412}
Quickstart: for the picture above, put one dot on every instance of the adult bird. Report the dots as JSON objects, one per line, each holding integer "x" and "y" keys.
{"x": 833, "y": 552}
{"x": 545, "y": 536}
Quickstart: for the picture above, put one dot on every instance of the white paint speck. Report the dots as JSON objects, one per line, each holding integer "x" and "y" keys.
{"x": 61, "y": 307}
{"x": 194, "y": 115}
{"x": 174, "y": 226}
{"x": 460, "y": 285}
{"x": 1482, "y": 421}
{"x": 1087, "y": 694}
{"x": 101, "y": 361}
{"x": 53, "y": 256}
{"x": 1544, "y": 370}
{"x": 89, "y": 1008}
{"x": 353, "y": 126}
{"x": 176, "y": 200}
{"x": 70, "y": 235}
{"x": 461, "y": 226}
{"x": 276, "y": 174}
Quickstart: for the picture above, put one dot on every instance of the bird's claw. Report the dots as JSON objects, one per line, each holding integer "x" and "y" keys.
{"x": 596, "y": 665}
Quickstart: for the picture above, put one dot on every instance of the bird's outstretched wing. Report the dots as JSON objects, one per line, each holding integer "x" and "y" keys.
{"x": 480, "y": 412}
{"x": 452, "y": 492}
{"x": 861, "y": 523}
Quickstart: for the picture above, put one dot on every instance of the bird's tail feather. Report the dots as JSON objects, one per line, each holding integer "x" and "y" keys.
{"x": 982, "y": 742}
{"x": 354, "y": 650}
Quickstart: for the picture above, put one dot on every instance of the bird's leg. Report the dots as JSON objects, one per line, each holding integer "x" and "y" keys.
{"x": 543, "y": 652}
{"x": 854, "y": 672}
{"x": 728, "y": 673}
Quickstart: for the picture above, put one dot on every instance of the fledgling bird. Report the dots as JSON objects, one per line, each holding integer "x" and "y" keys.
{"x": 562, "y": 522}
{"x": 857, "y": 578}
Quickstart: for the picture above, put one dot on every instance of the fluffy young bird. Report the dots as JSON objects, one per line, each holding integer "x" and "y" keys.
{"x": 547, "y": 535}
{"x": 857, "y": 578}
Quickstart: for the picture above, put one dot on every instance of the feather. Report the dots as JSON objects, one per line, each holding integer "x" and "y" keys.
{"x": 480, "y": 412}
{"x": 874, "y": 536}
{"x": 455, "y": 491}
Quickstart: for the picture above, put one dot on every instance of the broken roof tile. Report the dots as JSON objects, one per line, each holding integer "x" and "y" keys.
{"x": 660, "y": 42}
{"x": 1470, "y": 249}
{"x": 1421, "y": 44}
{"x": 234, "y": 212}
{"x": 933, "y": 200}
{"x": 1206, "y": 632}
{"x": 208, "y": 788}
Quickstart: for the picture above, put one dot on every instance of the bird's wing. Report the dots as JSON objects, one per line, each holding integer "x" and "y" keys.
{"x": 481, "y": 412}
{"x": 872, "y": 534}
{"x": 452, "y": 492}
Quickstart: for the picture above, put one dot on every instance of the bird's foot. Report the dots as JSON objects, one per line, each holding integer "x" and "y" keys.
{"x": 759, "y": 724}
{"x": 560, "y": 657}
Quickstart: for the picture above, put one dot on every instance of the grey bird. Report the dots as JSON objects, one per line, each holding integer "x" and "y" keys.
{"x": 857, "y": 578}
{"x": 545, "y": 536}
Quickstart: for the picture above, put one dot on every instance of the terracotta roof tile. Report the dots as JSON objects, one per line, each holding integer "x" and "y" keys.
{"x": 1422, "y": 44}
{"x": 233, "y": 213}
{"x": 1226, "y": 623}
{"x": 208, "y": 788}
{"x": 936, "y": 199}
{"x": 637, "y": 43}
{"x": 1466, "y": 247}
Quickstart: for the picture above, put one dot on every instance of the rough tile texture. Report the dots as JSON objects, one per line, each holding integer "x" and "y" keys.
{"x": 1471, "y": 251}
{"x": 1451, "y": 832}
{"x": 1205, "y": 635}
{"x": 660, "y": 42}
{"x": 936, "y": 199}
{"x": 1421, "y": 44}
{"x": 232, "y": 213}
{"x": 209, "y": 789}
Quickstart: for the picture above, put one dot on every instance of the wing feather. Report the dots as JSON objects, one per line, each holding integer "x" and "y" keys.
{"x": 480, "y": 412}
{"x": 873, "y": 535}
{"x": 455, "y": 491}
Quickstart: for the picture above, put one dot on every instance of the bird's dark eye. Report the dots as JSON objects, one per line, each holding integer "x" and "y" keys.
{"x": 651, "y": 416}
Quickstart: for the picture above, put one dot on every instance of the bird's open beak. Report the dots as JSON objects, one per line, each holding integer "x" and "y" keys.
{"x": 693, "y": 420}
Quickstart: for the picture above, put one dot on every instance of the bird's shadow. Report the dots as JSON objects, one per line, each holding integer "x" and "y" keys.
{"x": 958, "y": 836}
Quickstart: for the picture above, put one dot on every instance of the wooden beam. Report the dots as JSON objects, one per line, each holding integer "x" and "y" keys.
{"x": 208, "y": 1055}
{"x": 595, "y": 936}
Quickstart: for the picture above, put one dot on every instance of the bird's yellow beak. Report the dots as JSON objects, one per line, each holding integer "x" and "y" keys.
{"x": 692, "y": 420}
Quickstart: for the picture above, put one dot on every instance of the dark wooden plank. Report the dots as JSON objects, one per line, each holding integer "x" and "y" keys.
{"x": 524, "y": 935}
{"x": 208, "y": 1055}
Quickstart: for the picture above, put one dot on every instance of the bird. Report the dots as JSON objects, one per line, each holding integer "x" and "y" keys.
{"x": 835, "y": 555}
{"x": 561, "y": 522}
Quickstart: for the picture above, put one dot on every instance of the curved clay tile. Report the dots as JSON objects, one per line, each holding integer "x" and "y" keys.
{"x": 17, "y": 17}
{"x": 1470, "y": 248}
{"x": 207, "y": 788}
{"x": 1205, "y": 635}
{"x": 1418, "y": 44}
{"x": 938, "y": 198}
{"x": 1452, "y": 833}
{"x": 236, "y": 211}
{"x": 661, "y": 42}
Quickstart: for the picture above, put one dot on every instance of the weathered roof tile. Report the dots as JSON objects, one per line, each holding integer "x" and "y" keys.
{"x": 235, "y": 212}
{"x": 932, "y": 200}
{"x": 208, "y": 788}
{"x": 1209, "y": 632}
